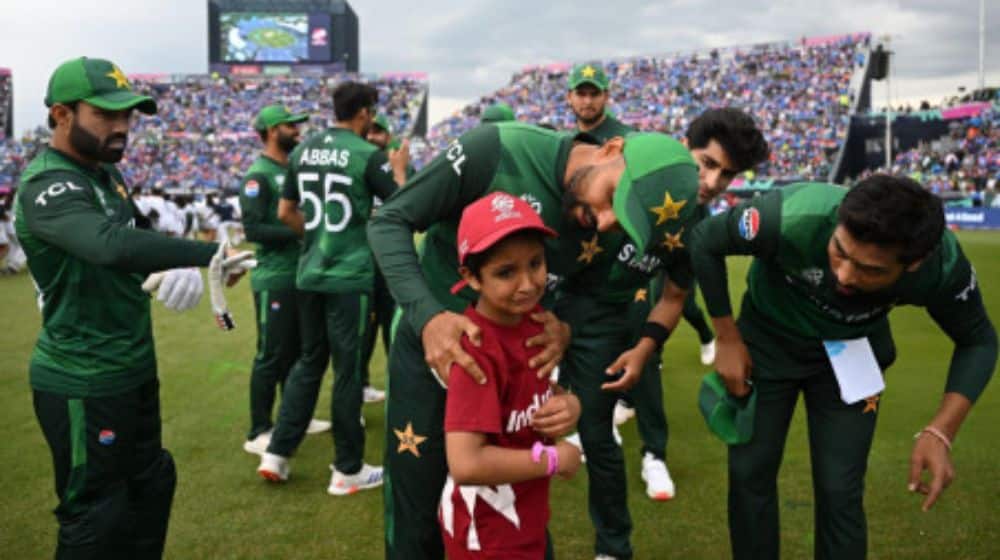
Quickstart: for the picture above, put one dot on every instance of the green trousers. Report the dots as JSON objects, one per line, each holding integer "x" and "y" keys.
{"x": 840, "y": 438}
{"x": 114, "y": 480}
{"x": 383, "y": 308}
{"x": 695, "y": 317}
{"x": 601, "y": 332}
{"x": 278, "y": 347}
{"x": 331, "y": 325}
{"x": 415, "y": 463}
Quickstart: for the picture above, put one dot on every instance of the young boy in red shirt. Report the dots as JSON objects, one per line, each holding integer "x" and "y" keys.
{"x": 495, "y": 503}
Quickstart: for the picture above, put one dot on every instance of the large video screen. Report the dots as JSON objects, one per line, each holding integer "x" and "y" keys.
{"x": 264, "y": 37}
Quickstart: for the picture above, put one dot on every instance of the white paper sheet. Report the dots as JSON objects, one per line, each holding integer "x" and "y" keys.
{"x": 856, "y": 368}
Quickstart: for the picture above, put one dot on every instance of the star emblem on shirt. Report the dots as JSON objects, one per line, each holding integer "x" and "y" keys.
{"x": 673, "y": 241}
{"x": 640, "y": 294}
{"x": 871, "y": 404}
{"x": 409, "y": 441}
{"x": 669, "y": 211}
{"x": 120, "y": 80}
{"x": 588, "y": 71}
{"x": 589, "y": 250}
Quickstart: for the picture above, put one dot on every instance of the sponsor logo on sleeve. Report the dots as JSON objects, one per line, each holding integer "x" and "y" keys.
{"x": 106, "y": 437}
{"x": 749, "y": 224}
{"x": 252, "y": 188}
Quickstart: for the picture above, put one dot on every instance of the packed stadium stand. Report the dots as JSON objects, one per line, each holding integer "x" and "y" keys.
{"x": 6, "y": 103}
{"x": 798, "y": 91}
{"x": 201, "y": 137}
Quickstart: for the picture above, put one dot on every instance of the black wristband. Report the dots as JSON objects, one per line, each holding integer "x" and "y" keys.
{"x": 655, "y": 331}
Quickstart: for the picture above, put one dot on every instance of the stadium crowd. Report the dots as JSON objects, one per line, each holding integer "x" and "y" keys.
{"x": 964, "y": 162}
{"x": 798, "y": 91}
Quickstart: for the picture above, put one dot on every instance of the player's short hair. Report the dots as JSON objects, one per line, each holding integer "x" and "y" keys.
{"x": 476, "y": 261}
{"x": 735, "y": 131}
{"x": 894, "y": 212}
{"x": 72, "y": 107}
{"x": 351, "y": 97}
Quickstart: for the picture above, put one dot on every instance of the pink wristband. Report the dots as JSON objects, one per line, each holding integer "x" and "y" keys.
{"x": 536, "y": 456}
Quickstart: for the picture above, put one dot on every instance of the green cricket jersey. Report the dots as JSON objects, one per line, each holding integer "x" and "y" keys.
{"x": 521, "y": 159}
{"x": 88, "y": 263}
{"x": 609, "y": 128}
{"x": 333, "y": 176}
{"x": 791, "y": 289}
{"x": 277, "y": 245}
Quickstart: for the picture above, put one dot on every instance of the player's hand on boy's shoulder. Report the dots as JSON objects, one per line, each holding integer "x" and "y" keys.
{"x": 554, "y": 340}
{"x": 442, "y": 340}
{"x": 558, "y": 416}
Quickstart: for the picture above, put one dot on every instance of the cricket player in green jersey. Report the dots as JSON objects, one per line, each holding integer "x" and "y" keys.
{"x": 273, "y": 280}
{"x": 829, "y": 264}
{"x": 327, "y": 197}
{"x": 383, "y": 306}
{"x": 567, "y": 180}
{"x": 93, "y": 369}
{"x": 723, "y": 143}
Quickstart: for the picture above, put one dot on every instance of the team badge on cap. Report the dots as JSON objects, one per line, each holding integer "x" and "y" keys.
{"x": 749, "y": 224}
{"x": 106, "y": 437}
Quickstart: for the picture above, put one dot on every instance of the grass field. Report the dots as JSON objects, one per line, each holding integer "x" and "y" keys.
{"x": 223, "y": 510}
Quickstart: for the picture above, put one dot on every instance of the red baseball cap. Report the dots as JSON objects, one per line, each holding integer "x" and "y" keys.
{"x": 490, "y": 219}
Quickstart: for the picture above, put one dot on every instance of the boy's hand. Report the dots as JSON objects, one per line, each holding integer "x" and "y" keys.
{"x": 558, "y": 416}
{"x": 569, "y": 459}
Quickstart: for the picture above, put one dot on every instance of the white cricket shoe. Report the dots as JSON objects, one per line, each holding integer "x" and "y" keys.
{"x": 605, "y": 557}
{"x": 258, "y": 445}
{"x": 317, "y": 426}
{"x": 623, "y": 412}
{"x": 343, "y": 484}
{"x": 617, "y": 435}
{"x": 659, "y": 485}
{"x": 372, "y": 395}
{"x": 274, "y": 467}
{"x": 708, "y": 353}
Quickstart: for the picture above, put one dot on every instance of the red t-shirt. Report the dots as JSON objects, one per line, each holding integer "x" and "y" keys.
{"x": 506, "y": 521}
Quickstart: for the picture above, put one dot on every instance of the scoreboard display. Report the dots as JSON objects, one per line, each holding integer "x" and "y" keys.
{"x": 264, "y": 36}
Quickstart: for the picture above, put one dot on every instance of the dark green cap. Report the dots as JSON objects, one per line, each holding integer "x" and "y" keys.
{"x": 589, "y": 73}
{"x": 383, "y": 123}
{"x": 98, "y": 82}
{"x": 656, "y": 196}
{"x": 273, "y": 115}
{"x": 498, "y": 112}
{"x": 728, "y": 417}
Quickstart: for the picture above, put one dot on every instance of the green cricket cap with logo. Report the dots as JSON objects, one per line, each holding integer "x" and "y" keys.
{"x": 588, "y": 73}
{"x": 656, "y": 197}
{"x": 273, "y": 115}
{"x": 382, "y": 122}
{"x": 730, "y": 418}
{"x": 498, "y": 112}
{"x": 98, "y": 82}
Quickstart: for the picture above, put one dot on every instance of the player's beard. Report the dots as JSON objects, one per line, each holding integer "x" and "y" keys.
{"x": 589, "y": 121}
{"x": 287, "y": 143}
{"x": 93, "y": 148}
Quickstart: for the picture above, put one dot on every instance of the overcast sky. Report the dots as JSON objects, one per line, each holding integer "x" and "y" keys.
{"x": 471, "y": 47}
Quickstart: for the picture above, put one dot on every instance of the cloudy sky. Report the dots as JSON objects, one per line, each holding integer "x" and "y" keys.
{"x": 471, "y": 47}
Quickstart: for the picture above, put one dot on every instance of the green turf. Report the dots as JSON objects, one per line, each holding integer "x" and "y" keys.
{"x": 272, "y": 37}
{"x": 222, "y": 509}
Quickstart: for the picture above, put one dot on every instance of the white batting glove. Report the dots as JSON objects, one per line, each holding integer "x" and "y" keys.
{"x": 179, "y": 289}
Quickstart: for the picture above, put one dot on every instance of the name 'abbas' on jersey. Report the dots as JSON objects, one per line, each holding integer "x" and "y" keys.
{"x": 516, "y": 158}
{"x": 277, "y": 251}
{"x": 333, "y": 176}
{"x": 96, "y": 335}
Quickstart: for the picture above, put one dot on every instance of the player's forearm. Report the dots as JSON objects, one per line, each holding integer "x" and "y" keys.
{"x": 268, "y": 233}
{"x": 951, "y": 414}
{"x": 291, "y": 216}
{"x": 708, "y": 258}
{"x": 391, "y": 241}
{"x": 669, "y": 307}
{"x": 89, "y": 237}
{"x": 492, "y": 465}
